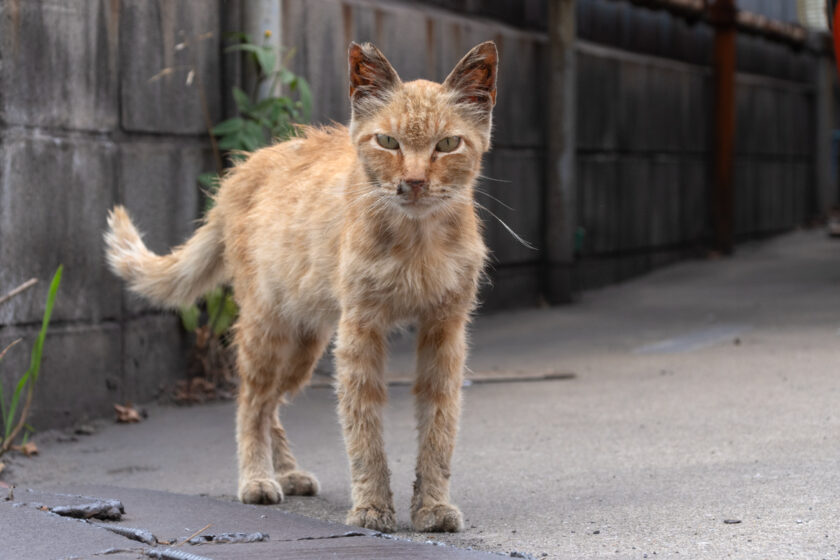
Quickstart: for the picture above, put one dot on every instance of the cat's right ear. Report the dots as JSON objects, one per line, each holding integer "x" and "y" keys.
{"x": 372, "y": 77}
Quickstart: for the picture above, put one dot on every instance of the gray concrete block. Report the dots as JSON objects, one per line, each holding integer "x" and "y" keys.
{"x": 597, "y": 184}
{"x": 597, "y": 111}
{"x": 634, "y": 107}
{"x": 744, "y": 118}
{"x": 594, "y": 273}
{"x": 154, "y": 99}
{"x": 450, "y": 42}
{"x": 766, "y": 133}
{"x": 514, "y": 178}
{"x": 802, "y": 129}
{"x": 155, "y": 355}
{"x": 695, "y": 108}
{"x": 510, "y": 287}
{"x": 59, "y": 64}
{"x": 635, "y": 215}
{"x": 521, "y": 102}
{"x": 665, "y": 96}
{"x": 744, "y": 180}
{"x": 664, "y": 211}
{"x": 157, "y": 183}
{"x": 398, "y": 27}
{"x": 81, "y": 372}
{"x": 695, "y": 199}
{"x": 54, "y": 195}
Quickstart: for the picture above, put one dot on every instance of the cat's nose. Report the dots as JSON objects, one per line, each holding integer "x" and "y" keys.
{"x": 416, "y": 185}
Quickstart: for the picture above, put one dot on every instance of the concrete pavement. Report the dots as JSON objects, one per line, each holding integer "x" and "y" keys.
{"x": 701, "y": 422}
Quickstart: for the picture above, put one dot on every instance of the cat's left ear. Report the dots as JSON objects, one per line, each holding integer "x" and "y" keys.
{"x": 474, "y": 77}
{"x": 372, "y": 77}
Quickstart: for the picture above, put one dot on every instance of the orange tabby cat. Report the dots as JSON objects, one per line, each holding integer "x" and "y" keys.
{"x": 362, "y": 228}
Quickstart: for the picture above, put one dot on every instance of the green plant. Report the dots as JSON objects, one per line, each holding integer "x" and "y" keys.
{"x": 13, "y": 423}
{"x": 277, "y": 102}
{"x": 264, "y": 114}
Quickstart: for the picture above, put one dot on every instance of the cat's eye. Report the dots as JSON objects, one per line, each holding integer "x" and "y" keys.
{"x": 448, "y": 144}
{"x": 387, "y": 142}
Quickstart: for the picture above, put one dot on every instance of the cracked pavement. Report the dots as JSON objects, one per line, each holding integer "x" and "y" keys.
{"x": 643, "y": 421}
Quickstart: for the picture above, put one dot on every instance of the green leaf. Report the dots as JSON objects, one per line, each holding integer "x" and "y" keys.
{"x": 264, "y": 56}
{"x": 229, "y": 126}
{"x": 286, "y": 76}
{"x": 189, "y": 317}
{"x": 10, "y": 419}
{"x": 31, "y": 375}
{"x": 35, "y": 362}
{"x": 243, "y": 101}
{"x": 209, "y": 181}
{"x": 226, "y": 316}
{"x": 213, "y": 299}
{"x": 266, "y": 59}
{"x": 252, "y": 136}
{"x": 305, "y": 96}
{"x": 237, "y": 36}
{"x": 232, "y": 142}
{"x": 3, "y": 412}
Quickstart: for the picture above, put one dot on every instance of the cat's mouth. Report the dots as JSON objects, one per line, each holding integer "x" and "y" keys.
{"x": 418, "y": 206}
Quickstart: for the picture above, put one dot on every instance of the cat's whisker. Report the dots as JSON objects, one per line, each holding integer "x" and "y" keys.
{"x": 488, "y": 195}
{"x": 492, "y": 179}
{"x": 515, "y": 235}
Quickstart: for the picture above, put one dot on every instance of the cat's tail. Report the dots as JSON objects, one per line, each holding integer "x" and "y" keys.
{"x": 172, "y": 280}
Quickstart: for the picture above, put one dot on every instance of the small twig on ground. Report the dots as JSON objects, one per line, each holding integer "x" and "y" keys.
{"x": 22, "y": 288}
{"x": 195, "y": 534}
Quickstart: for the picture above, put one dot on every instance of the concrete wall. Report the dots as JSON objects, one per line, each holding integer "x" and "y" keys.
{"x": 88, "y": 119}
{"x": 82, "y": 127}
{"x": 644, "y": 138}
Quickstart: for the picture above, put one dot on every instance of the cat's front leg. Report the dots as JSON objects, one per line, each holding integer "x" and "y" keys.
{"x": 360, "y": 360}
{"x": 441, "y": 350}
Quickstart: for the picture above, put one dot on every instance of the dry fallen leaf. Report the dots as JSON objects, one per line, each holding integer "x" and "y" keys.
{"x": 29, "y": 448}
{"x": 2, "y": 467}
{"x": 127, "y": 414}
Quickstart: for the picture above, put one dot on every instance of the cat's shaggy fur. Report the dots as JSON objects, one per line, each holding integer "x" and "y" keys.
{"x": 336, "y": 229}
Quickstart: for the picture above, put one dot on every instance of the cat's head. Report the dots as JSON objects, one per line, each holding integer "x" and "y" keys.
{"x": 421, "y": 142}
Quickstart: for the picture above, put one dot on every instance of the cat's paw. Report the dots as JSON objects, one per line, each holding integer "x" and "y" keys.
{"x": 260, "y": 491}
{"x": 374, "y": 518}
{"x": 438, "y": 518}
{"x": 298, "y": 483}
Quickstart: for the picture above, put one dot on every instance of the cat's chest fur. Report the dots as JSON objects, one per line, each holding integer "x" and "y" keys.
{"x": 402, "y": 273}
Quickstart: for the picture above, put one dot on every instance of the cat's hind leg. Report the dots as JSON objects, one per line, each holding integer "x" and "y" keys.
{"x": 307, "y": 349}
{"x": 274, "y": 360}
{"x": 260, "y": 349}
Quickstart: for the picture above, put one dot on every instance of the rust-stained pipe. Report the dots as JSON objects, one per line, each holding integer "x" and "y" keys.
{"x": 722, "y": 14}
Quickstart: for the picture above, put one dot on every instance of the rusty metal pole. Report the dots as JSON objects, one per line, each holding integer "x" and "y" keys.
{"x": 722, "y": 15}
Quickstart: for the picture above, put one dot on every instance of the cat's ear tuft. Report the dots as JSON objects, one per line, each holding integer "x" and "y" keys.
{"x": 474, "y": 77}
{"x": 371, "y": 75}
